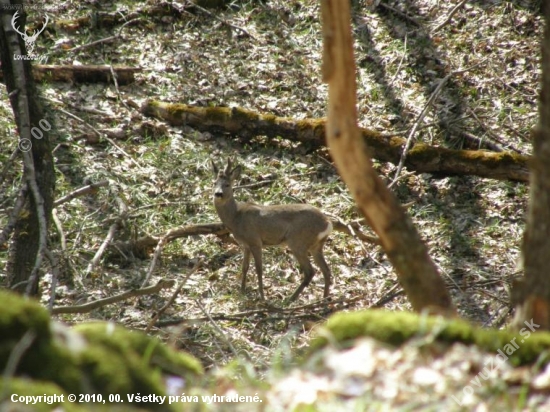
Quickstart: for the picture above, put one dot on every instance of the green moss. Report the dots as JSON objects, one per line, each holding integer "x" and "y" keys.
{"x": 398, "y": 327}
{"x": 218, "y": 114}
{"x": 55, "y": 397}
{"x": 239, "y": 114}
{"x": 92, "y": 358}
{"x": 20, "y": 316}
{"x": 149, "y": 350}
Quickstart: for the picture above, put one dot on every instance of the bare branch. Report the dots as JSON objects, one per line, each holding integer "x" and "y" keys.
{"x": 450, "y": 16}
{"x": 108, "y": 239}
{"x": 102, "y": 135}
{"x": 81, "y": 191}
{"x": 423, "y": 114}
{"x": 173, "y": 297}
{"x": 88, "y": 307}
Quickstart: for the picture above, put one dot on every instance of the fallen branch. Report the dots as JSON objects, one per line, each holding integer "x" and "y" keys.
{"x": 81, "y": 74}
{"x": 321, "y": 308}
{"x": 142, "y": 246}
{"x": 123, "y": 212}
{"x": 172, "y": 298}
{"x": 88, "y": 307}
{"x": 421, "y": 158}
{"x": 81, "y": 191}
{"x": 222, "y": 21}
{"x": 449, "y": 16}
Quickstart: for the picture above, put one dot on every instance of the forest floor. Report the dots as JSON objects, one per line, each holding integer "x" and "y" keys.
{"x": 473, "y": 226}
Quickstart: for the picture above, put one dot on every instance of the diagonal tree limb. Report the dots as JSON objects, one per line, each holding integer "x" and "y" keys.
{"x": 416, "y": 272}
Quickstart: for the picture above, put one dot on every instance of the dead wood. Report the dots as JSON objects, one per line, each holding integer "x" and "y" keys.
{"x": 144, "y": 245}
{"x": 82, "y": 74}
{"x": 421, "y": 158}
{"x": 88, "y": 307}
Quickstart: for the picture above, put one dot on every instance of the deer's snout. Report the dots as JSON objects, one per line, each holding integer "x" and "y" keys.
{"x": 218, "y": 191}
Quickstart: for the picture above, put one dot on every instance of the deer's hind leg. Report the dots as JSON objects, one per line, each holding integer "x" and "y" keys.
{"x": 306, "y": 268}
{"x": 319, "y": 259}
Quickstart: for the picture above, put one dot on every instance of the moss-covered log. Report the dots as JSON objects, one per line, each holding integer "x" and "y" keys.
{"x": 93, "y": 358}
{"x": 421, "y": 158}
{"x": 396, "y": 328}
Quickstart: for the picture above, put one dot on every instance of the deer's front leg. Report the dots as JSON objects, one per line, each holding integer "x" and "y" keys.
{"x": 246, "y": 264}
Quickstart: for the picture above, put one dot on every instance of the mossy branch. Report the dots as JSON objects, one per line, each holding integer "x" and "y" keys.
{"x": 421, "y": 158}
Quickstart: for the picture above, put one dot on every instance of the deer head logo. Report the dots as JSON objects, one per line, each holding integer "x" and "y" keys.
{"x": 29, "y": 40}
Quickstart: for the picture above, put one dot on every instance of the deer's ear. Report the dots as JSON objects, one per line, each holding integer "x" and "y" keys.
{"x": 214, "y": 167}
{"x": 236, "y": 172}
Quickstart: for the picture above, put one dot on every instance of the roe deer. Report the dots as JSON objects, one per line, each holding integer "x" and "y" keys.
{"x": 303, "y": 228}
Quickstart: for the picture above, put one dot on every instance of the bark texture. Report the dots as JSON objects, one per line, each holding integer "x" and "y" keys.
{"x": 415, "y": 270}
{"x": 28, "y": 112}
{"x": 531, "y": 295}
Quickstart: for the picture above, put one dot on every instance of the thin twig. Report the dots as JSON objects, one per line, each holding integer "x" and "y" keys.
{"x": 491, "y": 134}
{"x": 101, "y": 135}
{"x": 104, "y": 40}
{"x": 401, "y": 60}
{"x": 115, "y": 82}
{"x": 388, "y": 296}
{"x": 55, "y": 276}
{"x": 94, "y": 43}
{"x": 108, "y": 239}
{"x": 122, "y": 215}
{"x": 209, "y": 13}
{"x": 88, "y": 307}
{"x": 423, "y": 114}
{"x": 81, "y": 191}
{"x": 156, "y": 255}
{"x": 220, "y": 332}
{"x": 59, "y": 227}
{"x": 14, "y": 358}
{"x": 41, "y": 212}
{"x": 269, "y": 181}
{"x": 173, "y": 297}
{"x": 449, "y": 16}
{"x": 400, "y": 13}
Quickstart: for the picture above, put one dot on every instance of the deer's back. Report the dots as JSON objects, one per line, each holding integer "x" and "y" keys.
{"x": 274, "y": 225}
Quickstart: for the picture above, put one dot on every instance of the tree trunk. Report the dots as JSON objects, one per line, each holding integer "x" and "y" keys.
{"x": 416, "y": 272}
{"x": 531, "y": 295}
{"x": 38, "y": 170}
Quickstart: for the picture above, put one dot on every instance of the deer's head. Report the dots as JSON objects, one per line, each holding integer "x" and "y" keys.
{"x": 223, "y": 185}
